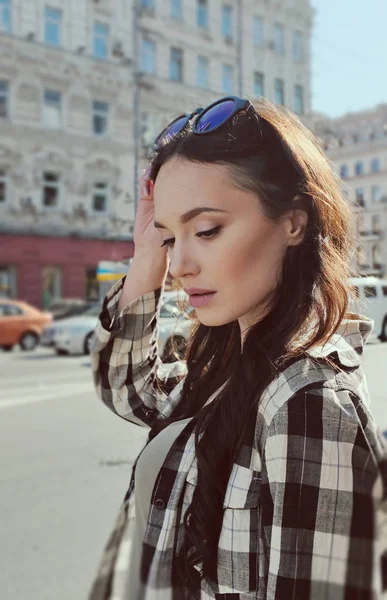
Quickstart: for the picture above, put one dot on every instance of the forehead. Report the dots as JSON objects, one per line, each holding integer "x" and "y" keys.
{"x": 181, "y": 185}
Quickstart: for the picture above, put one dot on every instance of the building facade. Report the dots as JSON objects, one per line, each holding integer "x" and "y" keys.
{"x": 86, "y": 85}
{"x": 191, "y": 52}
{"x": 356, "y": 143}
{"x": 65, "y": 145}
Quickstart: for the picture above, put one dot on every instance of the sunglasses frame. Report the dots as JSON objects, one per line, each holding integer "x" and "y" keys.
{"x": 239, "y": 105}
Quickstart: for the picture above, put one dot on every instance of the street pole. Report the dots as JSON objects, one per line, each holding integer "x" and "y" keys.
{"x": 239, "y": 47}
{"x": 136, "y": 102}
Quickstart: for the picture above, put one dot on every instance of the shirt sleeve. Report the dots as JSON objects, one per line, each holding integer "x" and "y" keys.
{"x": 320, "y": 489}
{"x": 128, "y": 374}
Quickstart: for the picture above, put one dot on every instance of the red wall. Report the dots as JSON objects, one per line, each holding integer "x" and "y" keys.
{"x": 31, "y": 253}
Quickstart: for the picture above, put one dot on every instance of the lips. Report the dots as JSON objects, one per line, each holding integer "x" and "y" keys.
{"x": 197, "y": 300}
{"x": 198, "y": 291}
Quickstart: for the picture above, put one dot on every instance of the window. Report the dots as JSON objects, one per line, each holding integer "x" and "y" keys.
{"x": 4, "y": 92}
{"x": 7, "y": 281}
{"x": 52, "y": 109}
{"x": 176, "y": 10}
{"x": 100, "y": 40}
{"x": 148, "y": 4}
{"x": 51, "y": 285}
{"x": 227, "y": 79}
{"x": 100, "y": 196}
{"x": 258, "y": 32}
{"x": 376, "y": 224}
{"x": 376, "y": 193}
{"x": 343, "y": 171}
{"x": 202, "y": 72}
{"x": 176, "y": 65}
{"x": 377, "y": 254}
{"x": 375, "y": 165}
{"x": 100, "y": 117}
{"x": 298, "y": 47}
{"x": 5, "y": 16}
{"x": 258, "y": 84}
{"x": 149, "y": 57}
{"x": 202, "y": 14}
{"x": 52, "y": 26}
{"x": 279, "y": 38}
{"x": 370, "y": 291}
{"x": 359, "y": 168}
{"x": 92, "y": 287}
{"x": 3, "y": 187}
{"x": 299, "y": 99}
{"x": 279, "y": 91}
{"x": 359, "y": 195}
{"x": 227, "y": 21}
{"x": 51, "y": 189}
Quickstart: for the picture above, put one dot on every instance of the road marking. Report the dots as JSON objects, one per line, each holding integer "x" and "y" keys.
{"x": 53, "y": 395}
{"x": 41, "y": 381}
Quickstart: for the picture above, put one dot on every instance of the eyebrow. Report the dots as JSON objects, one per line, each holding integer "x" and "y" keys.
{"x": 191, "y": 214}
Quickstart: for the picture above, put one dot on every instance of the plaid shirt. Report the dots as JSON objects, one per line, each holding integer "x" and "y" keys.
{"x": 304, "y": 510}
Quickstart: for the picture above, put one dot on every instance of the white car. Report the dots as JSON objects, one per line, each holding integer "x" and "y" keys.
{"x": 372, "y": 302}
{"x": 73, "y": 335}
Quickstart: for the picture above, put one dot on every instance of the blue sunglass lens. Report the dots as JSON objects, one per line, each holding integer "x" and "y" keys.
{"x": 172, "y": 130}
{"x": 214, "y": 117}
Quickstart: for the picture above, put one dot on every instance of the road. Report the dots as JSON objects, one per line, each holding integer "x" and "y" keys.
{"x": 64, "y": 467}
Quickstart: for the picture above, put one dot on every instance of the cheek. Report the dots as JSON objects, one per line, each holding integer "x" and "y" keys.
{"x": 255, "y": 260}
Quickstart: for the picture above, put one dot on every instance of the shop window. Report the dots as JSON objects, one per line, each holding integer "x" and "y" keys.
{"x": 92, "y": 292}
{"x": 51, "y": 285}
{"x": 8, "y": 274}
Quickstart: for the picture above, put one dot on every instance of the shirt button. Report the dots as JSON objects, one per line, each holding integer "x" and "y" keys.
{"x": 160, "y": 504}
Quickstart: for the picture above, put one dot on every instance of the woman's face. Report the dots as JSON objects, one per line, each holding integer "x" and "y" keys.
{"x": 234, "y": 250}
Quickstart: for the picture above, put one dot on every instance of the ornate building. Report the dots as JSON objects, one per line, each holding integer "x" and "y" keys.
{"x": 356, "y": 143}
{"x": 85, "y": 85}
{"x": 65, "y": 145}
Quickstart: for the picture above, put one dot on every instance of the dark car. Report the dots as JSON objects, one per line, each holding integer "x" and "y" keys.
{"x": 61, "y": 308}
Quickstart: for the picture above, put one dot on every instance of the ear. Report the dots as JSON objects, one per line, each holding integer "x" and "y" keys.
{"x": 294, "y": 224}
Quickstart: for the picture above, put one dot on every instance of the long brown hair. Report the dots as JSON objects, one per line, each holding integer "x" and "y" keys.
{"x": 276, "y": 157}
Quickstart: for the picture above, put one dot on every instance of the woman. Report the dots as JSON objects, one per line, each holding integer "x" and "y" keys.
{"x": 262, "y": 476}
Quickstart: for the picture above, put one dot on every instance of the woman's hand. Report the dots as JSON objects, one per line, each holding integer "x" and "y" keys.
{"x": 147, "y": 239}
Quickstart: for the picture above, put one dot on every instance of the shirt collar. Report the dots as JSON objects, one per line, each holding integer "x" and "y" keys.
{"x": 347, "y": 343}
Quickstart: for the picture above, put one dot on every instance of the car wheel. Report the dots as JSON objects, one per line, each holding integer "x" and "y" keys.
{"x": 87, "y": 343}
{"x": 383, "y": 337}
{"x": 174, "y": 349}
{"x": 7, "y": 348}
{"x": 29, "y": 341}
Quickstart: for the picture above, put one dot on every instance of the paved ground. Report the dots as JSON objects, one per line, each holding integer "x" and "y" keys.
{"x": 64, "y": 467}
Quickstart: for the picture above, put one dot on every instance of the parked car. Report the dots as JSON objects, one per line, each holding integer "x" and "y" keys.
{"x": 372, "y": 302}
{"x": 61, "y": 308}
{"x": 72, "y": 335}
{"x": 21, "y": 323}
{"x": 174, "y": 327}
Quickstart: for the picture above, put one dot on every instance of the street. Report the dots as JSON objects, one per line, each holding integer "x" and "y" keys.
{"x": 64, "y": 467}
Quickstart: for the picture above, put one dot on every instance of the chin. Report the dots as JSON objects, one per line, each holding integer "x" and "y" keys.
{"x": 214, "y": 319}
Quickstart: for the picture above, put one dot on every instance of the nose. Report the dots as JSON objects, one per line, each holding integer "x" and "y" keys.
{"x": 181, "y": 263}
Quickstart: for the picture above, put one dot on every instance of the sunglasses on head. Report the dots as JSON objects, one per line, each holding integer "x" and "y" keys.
{"x": 204, "y": 120}
{"x": 207, "y": 120}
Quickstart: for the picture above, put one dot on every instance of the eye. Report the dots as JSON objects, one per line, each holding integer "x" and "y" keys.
{"x": 209, "y": 234}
